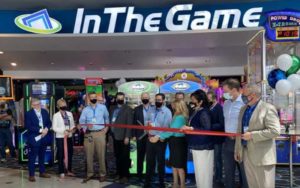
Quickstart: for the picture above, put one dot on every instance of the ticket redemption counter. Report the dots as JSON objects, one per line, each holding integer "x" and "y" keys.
{"x": 273, "y": 62}
{"x": 45, "y": 92}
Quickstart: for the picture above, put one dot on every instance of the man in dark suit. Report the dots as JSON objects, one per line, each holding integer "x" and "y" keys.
{"x": 142, "y": 115}
{"x": 122, "y": 114}
{"x": 38, "y": 124}
{"x": 217, "y": 121}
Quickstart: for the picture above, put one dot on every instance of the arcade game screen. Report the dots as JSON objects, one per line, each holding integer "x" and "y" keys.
{"x": 6, "y": 87}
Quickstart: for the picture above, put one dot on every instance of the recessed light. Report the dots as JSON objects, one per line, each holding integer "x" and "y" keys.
{"x": 52, "y": 63}
{"x": 168, "y": 62}
{"x": 13, "y": 64}
{"x": 91, "y": 63}
{"x": 1, "y": 52}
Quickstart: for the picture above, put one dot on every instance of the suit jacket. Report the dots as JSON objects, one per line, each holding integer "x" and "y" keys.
{"x": 138, "y": 116}
{"x": 33, "y": 128}
{"x": 265, "y": 127}
{"x": 125, "y": 116}
{"x": 217, "y": 122}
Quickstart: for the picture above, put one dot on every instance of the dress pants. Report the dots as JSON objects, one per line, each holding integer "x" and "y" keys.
{"x": 218, "y": 163}
{"x": 259, "y": 176}
{"x": 122, "y": 152}
{"x": 230, "y": 165}
{"x": 155, "y": 152}
{"x": 35, "y": 151}
{"x": 141, "y": 153}
{"x": 95, "y": 142}
{"x": 60, "y": 154}
{"x": 204, "y": 167}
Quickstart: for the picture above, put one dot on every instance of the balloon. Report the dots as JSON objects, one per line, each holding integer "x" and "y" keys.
{"x": 274, "y": 76}
{"x": 295, "y": 66}
{"x": 295, "y": 81}
{"x": 283, "y": 87}
{"x": 284, "y": 62}
{"x": 117, "y": 83}
{"x": 122, "y": 80}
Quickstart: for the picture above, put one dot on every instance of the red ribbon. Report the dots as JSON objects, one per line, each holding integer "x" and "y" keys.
{"x": 150, "y": 128}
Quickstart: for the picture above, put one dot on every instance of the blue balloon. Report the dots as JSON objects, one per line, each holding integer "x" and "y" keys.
{"x": 274, "y": 76}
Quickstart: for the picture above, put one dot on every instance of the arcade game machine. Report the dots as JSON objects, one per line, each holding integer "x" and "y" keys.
{"x": 274, "y": 57}
{"x": 133, "y": 91}
{"x": 186, "y": 81}
{"x": 44, "y": 91}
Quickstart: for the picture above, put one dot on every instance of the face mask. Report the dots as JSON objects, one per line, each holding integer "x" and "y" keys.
{"x": 145, "y": 101}
{"x": 93, "y": 101}
{"x": 245, "y": 99}
{"x": 63, "y": 108}
{"x": 158, "y": 104}
{"x": 120, "y": 102}
{"x": 227, "y": 96}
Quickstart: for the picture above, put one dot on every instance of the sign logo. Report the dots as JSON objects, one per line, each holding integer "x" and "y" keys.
{"x": 181, "y": 86}
{"x": 38, "y": 22}
{"x": 138, "y": 87}
{"x": 2, "y": 90}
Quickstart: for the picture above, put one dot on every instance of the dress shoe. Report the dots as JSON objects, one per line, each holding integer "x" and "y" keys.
{"x": 102, "y": 178}
{"x": 124, "y": 180}
{"x": 44, "y": 175}
{"x": 31, "y": 179}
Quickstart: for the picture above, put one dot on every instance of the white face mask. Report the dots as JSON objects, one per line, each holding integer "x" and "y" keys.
{"x": 227, "y": 96}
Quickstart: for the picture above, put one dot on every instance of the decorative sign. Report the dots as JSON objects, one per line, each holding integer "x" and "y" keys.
{"x": 6, "y": 88}
{"x": 180, "y": 86}
{"x": 283, "y": 26}
{"x": 185, "y": 74}
{"x": 137, "y": 87}
{"x": 124, "y": 19}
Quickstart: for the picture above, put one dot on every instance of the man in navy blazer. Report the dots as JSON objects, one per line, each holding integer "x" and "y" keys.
{"x": 38, "y": 124}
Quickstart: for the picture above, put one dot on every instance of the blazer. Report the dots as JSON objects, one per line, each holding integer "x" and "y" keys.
{"x": 138, "y": 116}
{"x": 59, "y": 125}
{"x": 125, "y": 116}
{"x": 217, "y": 122}
{"x": 33, "y": 128}
{"x": 265, "y": 127}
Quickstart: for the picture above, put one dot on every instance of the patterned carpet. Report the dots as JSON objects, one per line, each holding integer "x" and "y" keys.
{"x": 282, "y": 172}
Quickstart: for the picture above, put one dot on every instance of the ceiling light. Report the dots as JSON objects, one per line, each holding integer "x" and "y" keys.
{"x": 13, "y": 64}
{"x": 1, "y": 52}
{"x": 52, "y": 63}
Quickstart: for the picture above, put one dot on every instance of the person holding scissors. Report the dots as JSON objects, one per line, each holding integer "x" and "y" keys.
{"x": 95, "y": 116}
{"x": 63, "y": 126}
{"x": 162, "y": 117}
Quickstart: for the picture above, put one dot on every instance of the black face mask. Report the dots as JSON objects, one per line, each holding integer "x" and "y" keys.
{"x": 93, "y": 101}
{"x": 158, "y": 104}
{"x": 120, "y": 102}
{"x": 63, "y": 108}
{"x": 145, "y": 101}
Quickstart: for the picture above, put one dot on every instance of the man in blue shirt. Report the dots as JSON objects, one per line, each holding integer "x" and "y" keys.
{"x": 95, "y": 116}
{"x": 161, "y": 117}
{"x": 232, "y": 108}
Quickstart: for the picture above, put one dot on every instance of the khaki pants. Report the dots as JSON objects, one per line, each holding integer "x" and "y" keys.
{"x": 95, "y": 142}
{"x": 259, "y": 176}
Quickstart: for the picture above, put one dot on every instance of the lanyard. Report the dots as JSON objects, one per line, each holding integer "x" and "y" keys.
{"x": 94, "y": 112}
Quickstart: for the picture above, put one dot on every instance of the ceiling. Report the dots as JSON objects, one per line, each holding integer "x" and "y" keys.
{"x": 131, "y": 51}
{"x": 95, "y": 4}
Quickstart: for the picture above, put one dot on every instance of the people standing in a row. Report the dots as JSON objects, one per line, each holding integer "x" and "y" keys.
{"x": 6, "y": 120}
{"x": 95, "y": 116}
{"x": 202, "y": 147}
{"x": 256, "y": 148}
{"x": 232, "y": 108}
{"x": 122, "y": 114}
{"x": 217, "y": 123}
{"x": 37, "y": 124}
{"x": 177, "y": 143}
{"x": 155, "y": 153}
{"x": 64, "y": 126}
{"x": 142, "y": 116}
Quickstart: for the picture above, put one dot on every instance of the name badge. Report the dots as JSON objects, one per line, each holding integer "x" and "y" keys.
{"x": 113, "y": 119}
{"x": 41, "y": 125}
{"x": 94, "y": 120}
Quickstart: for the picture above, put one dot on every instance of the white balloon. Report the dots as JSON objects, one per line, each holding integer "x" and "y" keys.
{"x": 295, "y": 81}
{"x": 284, "y": 62}
{"x": 118, "y": 83}
{"x": 283, "y": 87}
{"x": 122, "y": 80}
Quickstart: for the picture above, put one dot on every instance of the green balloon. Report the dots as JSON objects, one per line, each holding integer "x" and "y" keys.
{"x": 295, "y": 66}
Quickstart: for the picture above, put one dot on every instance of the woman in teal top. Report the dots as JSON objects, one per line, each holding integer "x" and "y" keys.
{"x": 177, "y": 143}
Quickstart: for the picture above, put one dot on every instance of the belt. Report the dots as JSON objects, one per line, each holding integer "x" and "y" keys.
{"x": 94, "y": 131}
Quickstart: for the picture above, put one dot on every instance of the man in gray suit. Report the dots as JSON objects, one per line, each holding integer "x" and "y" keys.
{"x": 122, "y": 114}
{"x": 259, "y": 125}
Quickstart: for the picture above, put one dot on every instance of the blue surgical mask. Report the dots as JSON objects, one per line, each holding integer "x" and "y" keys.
{"x": 227, "y": 96}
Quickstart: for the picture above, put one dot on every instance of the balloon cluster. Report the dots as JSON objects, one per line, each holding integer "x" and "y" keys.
{"x": 120, "y": 82}
{"x": 285, "y": 79}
